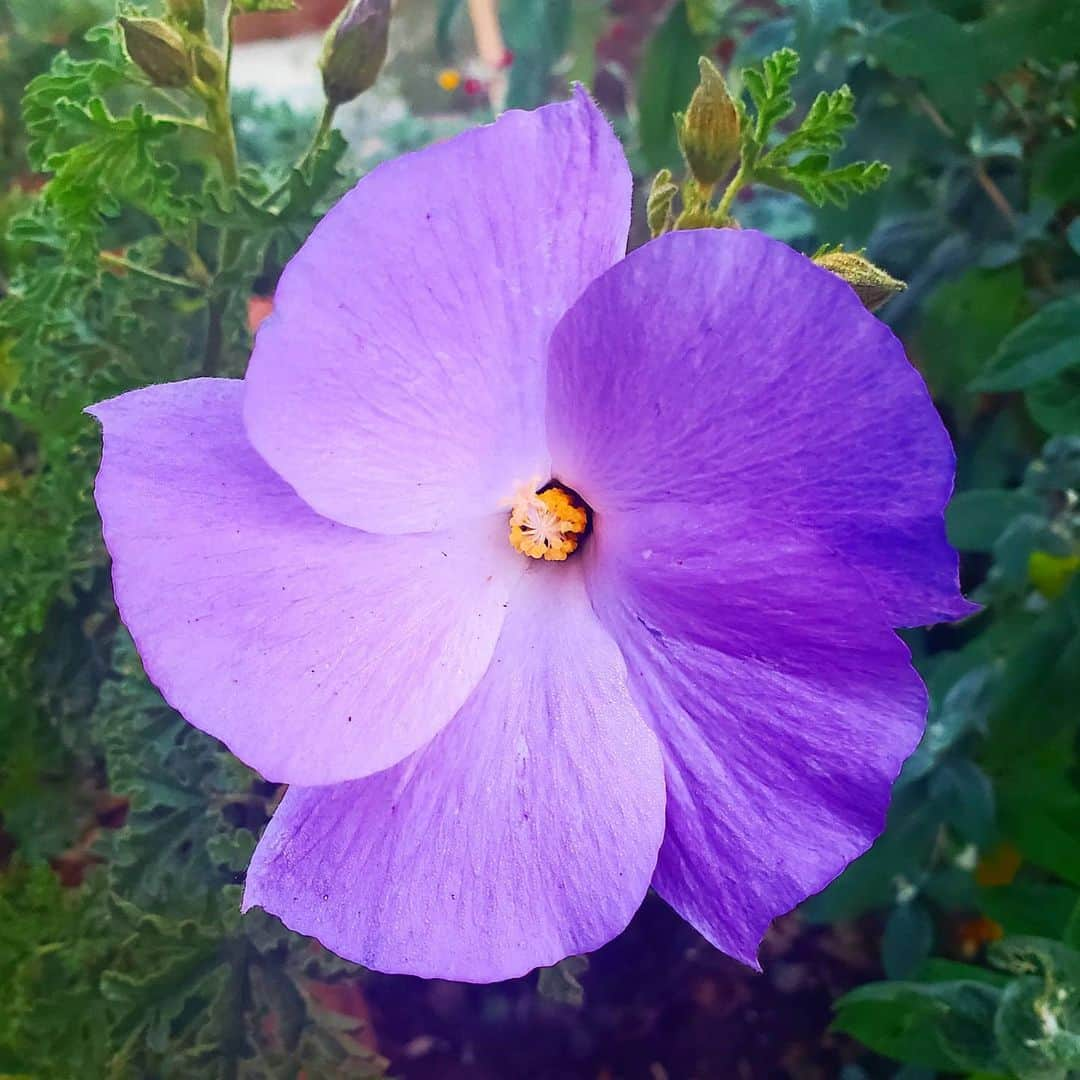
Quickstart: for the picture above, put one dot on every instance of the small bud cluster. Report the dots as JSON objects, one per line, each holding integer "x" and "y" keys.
{"x": 710, "y": 138}
{"x": 718, "y": 137}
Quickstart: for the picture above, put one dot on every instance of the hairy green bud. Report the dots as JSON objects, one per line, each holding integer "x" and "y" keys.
{"x": 872, "y": 285}
{"x": 354, "y": 49}
{"x": 709, "y": 129}
{"x": 658, "y": 208}
{"x": 158, "y": 50}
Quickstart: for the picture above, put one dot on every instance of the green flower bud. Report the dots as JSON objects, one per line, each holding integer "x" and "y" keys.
{"x": 871, "y": 284}
{"x": 354, "y": 49}
{"x": 158, "y": 50}
{"x": 709, "y": 129}
{"x": 658, "y": 208}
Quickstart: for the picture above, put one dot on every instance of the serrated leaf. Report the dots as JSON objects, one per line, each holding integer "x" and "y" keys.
{"x": 770, "y": 90}
{"x": 830, "y": 115}
{"x": 98, "y": 161}
{"x": 812, "y": 178}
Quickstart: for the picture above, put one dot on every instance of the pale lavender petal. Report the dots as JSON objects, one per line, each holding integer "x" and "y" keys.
{"x": 317, "y": 653}
{"x": 719, "y": 366}
{"x": 525, "y": 832}
{"x": 400, "y": 382}
{"x": 784, "y": 704}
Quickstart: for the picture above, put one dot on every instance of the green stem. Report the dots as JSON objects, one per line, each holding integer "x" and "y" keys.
{"x": 215, "y": 95}
{"x": 109, "y": 259}
{"x": 326, "y": 121}
{"x": 220, "y": 122}
{"x": 318, "y": 140}
{"x": 735, "y": 185}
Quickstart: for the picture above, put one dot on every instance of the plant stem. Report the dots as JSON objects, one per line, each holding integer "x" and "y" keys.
{"x": 318, "y": 139}
{"x": 109, "y": 259}
{"x": 326, "y": 121}
{"x": 735, "y": 185}
{"x": 215, "y": 95}
{"x": 219, "y": 120}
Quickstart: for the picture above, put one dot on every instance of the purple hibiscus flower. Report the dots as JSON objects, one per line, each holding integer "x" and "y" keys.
{"x": 543, "y": 575}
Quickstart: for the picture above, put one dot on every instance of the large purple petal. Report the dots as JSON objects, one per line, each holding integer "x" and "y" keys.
{"x": 400, "y": 382}
{"x": 720, "y": 365}
{"x": 317, "y": 653}
{"x": 784, "y": 704}
{"x": 524, "y": 832}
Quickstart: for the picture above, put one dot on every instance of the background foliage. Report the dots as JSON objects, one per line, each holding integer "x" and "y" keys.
{"x": 125, "y": 832}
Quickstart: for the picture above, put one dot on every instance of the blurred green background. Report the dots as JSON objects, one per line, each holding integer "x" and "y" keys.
{"x": 135, "y": 249}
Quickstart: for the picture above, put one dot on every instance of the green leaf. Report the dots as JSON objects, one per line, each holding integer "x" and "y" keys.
{"x": 1044, "y": 346}
{"x": 947, "y": 1026}
{"x": 99, "y": 161}
{"x": 815, "y": 23}
{"x": 1038, "y": 1021}
{"x": 175, "y": 844}
{"x": 820, "y": 184}
{"x": 900, "y": 853}
{"x": 770, "y": 90}
{"x": 1032, "y": 908}
{"x": 1055, "y": 404}
{"x": 669, "y": 74}
{"x": 822, "y": 129}
{"x": 962, "y": 325}
{"x": 1038, "y": 1032}
{"x": 907, "y": 940}
{"x": 956, "y": 709}
{"x": 1046, "y": 31}
{"x": 935, "y": 49}
{"x": 1039, "y": 811}
{"x": 976, "y": 519}
{"x": 50, "y": 948}
{"x": 537, "y": 33}
{"x": 966, "y": 797}
{"x": 1029, "y": 955}
{"x": 939, "y": 970}
{"x": 561, "y": 982}
{"x": 1056, "y": 169}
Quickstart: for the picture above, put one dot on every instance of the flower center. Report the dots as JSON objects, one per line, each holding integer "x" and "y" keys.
{"x": 547, "y": 524}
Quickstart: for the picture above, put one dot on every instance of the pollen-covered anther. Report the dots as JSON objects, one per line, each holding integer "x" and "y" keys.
{"x": 547, "y": 524}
